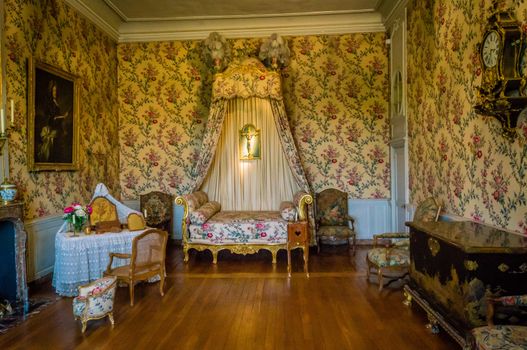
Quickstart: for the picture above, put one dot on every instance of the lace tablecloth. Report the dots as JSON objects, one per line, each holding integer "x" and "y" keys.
{"x": 82, "y": 259}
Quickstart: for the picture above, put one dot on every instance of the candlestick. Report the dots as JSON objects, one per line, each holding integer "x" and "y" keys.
{"x": 2, "y": 122}
{"x": 12, "y": 111}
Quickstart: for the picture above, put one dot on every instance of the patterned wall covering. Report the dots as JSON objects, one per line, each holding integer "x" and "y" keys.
{"x": 53, "y": 32}
{"x": 335, "y": 91}
{"x": 455, "y": 154}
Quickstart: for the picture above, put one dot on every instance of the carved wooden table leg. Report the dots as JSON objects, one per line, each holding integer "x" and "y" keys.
{"x": 306, "y": 259}
{"x": 288, "y": 260}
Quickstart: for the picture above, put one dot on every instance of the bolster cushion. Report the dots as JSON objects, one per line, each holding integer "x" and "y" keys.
{"x": 205, "y": 212}
{"x": 195, "y": 200}
{"x": 288, "y": 211}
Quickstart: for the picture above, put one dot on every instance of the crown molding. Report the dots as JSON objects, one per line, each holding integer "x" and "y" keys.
{"x": 392, "y": 12}
{"x": 257, "y": 26}
{"x": 105, "y": 17}
{"x": 100, "y": 15}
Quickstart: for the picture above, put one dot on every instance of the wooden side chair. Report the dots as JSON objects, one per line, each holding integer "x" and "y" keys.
{"x": 158, "y": 207}
{"x": 493, "y": 336}
{"x": 95, "y": 301}
{"x": 333, "y": 223}
{"x": 147, "y": 260}
{"x": 393, "y": 254}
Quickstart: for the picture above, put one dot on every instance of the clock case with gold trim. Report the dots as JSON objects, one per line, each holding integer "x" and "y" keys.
{"x": 503, "y": 91}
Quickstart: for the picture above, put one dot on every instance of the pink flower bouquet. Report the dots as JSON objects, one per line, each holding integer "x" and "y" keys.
{"x": 77, "y": 215}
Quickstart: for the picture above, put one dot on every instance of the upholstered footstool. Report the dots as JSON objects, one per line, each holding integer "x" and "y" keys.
{"x": 500, "y": 337}
{"x": 387, "y": 259}
{"x": 95, "y": 301}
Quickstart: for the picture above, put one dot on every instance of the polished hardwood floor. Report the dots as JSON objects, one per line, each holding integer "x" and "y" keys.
{"x": 243, "y": 303}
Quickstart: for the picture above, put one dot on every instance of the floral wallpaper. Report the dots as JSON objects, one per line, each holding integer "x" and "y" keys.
{"x": 335, "y": 92}
{"x": 455, "y": 154}
{"x": 54, "y": 33}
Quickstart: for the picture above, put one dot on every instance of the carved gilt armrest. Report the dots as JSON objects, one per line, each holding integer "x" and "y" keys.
{"x": 302, "y": 200}
{"x": 119, "y": 256}
{"x": 351, "y": 221}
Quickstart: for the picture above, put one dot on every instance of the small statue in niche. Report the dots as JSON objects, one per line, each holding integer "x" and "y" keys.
{"x": 274, "y": 52}
{"x": 217, "y": 51}
{"x": 249, "y": 142}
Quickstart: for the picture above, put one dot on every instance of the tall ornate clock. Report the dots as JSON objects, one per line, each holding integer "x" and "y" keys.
{"x": 503, "y": 91}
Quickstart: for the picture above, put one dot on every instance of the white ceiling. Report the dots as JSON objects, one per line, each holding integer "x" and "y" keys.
{"x": 133, "y": 10}
{"x": 151, "y": 20}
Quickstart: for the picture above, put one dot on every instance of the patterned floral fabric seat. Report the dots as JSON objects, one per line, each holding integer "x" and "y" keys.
{"x": 383, "y": 258}
{"x": 334, "y": 225}
{"x": 206, "y": 227}
{"x": 502, "y": 337}
{"x": 241, "y": 227}
{"x": 395, "y": 255}
{"x": 158, "y": 208}
{"x": 95, "y": 301}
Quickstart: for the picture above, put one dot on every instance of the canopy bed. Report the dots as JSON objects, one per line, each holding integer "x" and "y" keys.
{"x": 248, "y": 171}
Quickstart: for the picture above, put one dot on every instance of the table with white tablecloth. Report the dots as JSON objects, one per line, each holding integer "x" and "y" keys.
{"x": 84, "y": 258}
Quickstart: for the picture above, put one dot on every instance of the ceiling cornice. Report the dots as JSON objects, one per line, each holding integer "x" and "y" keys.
{"x": 316, "y": 23}
{"x": 391, "y": 12}
{"x": 251, "y": 27}
{"x": 105, "y": 18}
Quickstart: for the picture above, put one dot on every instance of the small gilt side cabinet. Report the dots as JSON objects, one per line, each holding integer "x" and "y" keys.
{"x": 297, "y": 237}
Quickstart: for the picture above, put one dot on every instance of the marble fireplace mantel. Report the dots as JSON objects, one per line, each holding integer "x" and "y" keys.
{"x": 14, "y": 212}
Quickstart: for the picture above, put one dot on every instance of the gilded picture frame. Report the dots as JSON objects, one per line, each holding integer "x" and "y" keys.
{"x": 53, "y": 118}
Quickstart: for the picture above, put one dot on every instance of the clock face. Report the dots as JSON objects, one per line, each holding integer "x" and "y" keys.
{"x": 490, "y": 51}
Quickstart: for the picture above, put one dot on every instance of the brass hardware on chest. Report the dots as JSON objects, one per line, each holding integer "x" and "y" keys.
{"x": 471, "y": 265}
{"x": 433, "y": 245}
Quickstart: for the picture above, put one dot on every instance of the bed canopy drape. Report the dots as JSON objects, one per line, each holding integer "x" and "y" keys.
{"x": 247, "y": 91}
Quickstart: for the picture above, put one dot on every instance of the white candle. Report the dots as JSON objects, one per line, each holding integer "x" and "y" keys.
{"x": 12, "y": 111}
{"x": 2, "y": 122}
{"x": 144, "y": 213}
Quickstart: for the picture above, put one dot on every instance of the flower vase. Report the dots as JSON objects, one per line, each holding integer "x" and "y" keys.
{"x": 8, "y": 192}
{"x": 77, "y": 227}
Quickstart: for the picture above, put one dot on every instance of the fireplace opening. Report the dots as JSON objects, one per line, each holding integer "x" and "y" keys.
{"x": 8, "y": 262}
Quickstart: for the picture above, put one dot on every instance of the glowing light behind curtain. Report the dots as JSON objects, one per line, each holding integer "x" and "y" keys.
{"x": 249, "y": 184}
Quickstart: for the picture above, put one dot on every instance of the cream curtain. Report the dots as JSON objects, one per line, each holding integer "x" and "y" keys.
{"x": 249, "y": 184}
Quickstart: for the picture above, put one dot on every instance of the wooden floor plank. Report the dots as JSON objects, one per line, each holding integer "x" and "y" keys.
{"x": 243, "y": 303}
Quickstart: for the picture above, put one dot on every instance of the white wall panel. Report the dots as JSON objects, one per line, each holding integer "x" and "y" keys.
{"x": 371, "y": 216}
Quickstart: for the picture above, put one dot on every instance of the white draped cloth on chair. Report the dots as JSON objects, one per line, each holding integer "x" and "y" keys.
{"x": 247, "y": 93}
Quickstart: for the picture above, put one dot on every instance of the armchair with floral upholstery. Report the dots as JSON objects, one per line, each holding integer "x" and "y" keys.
{"x": 390, "y": 251}
{"x": 503, "y": 337}
{"x": 333, "y": 223}
{"x": 158, "y": 207}
{"x": 95, "y": 301}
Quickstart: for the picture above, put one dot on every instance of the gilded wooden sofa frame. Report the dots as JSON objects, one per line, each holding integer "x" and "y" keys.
{"x": 241, "y": 248}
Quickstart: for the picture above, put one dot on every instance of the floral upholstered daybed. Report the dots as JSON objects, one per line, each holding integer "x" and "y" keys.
{"x": 206, "y": 227}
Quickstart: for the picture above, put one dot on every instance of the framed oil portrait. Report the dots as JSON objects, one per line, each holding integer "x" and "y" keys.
{"x": 53, "y": 118}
